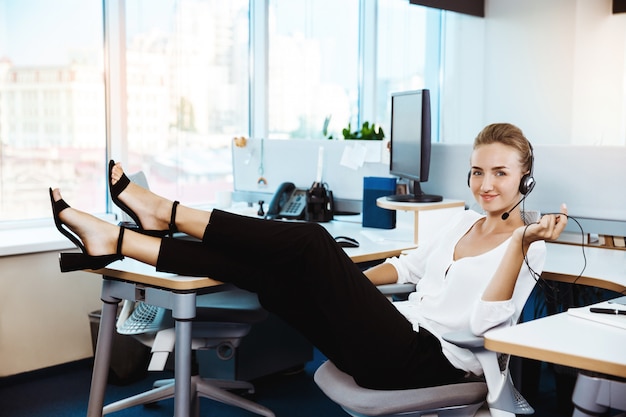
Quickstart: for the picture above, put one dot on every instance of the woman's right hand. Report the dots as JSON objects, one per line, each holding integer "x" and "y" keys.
{"x": 549, "y": 227}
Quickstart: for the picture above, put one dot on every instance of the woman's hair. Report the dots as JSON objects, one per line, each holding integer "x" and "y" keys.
{"x": 509, "y": 135}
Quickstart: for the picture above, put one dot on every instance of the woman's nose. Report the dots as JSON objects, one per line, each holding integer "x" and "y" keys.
{"x": 487, "y": 183}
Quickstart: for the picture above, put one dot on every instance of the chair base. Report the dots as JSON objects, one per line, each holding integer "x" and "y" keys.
{"x": 211, "y": 389}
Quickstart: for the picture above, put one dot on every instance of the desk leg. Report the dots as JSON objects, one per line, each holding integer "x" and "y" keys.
{"x": 102, "y": 358}
{"x": 416, "y": 222}
{"x": 183, "y": 311}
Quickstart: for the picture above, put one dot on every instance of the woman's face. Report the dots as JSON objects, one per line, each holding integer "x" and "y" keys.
{"x": 495, "y": 176}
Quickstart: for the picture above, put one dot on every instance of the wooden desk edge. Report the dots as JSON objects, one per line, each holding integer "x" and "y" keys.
{"x": 382, "y": 255}
{"x": 583, "y": 280}
{"x": 187, "y": 284}
{"x": 559, "y": 358}
{"x": 394, "y": 205}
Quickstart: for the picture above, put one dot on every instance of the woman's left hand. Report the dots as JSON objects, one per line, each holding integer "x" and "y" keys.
{"x": 549, "y": 227}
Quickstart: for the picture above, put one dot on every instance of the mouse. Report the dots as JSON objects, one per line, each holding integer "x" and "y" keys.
{"x": 346, "y": 242}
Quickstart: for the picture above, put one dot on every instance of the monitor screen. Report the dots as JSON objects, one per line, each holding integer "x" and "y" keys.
{"x": 410, "y": 143}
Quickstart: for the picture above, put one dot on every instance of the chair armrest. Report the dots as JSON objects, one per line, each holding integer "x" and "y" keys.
{"x": 396, "y": 289}
{"x": 464, "y": 339}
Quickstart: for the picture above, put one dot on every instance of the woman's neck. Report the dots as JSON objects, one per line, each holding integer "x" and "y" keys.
{"x": 494, "y": 224}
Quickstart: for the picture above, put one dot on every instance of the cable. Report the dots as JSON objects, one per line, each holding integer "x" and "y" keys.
{"x": 537, "y": 276}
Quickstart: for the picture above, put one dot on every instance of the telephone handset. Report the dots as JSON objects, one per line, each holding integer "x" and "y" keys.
{"x": 289, "y": 202}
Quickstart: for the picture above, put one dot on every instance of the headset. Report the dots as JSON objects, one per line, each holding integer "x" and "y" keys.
{"x": 526, "y": 184}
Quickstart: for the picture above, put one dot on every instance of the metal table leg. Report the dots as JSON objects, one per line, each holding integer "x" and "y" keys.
{"x": 102, "y": 358}
{"x": 183, "y": 310}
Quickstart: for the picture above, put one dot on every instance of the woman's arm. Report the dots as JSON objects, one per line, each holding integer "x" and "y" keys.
{"x": 502, "y": 284}
{"x": 382, "y": 274}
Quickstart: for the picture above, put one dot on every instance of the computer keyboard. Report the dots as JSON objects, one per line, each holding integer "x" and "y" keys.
{"x": 144, "y": 318}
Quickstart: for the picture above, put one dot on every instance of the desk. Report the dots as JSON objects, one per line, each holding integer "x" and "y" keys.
{"x": 573, "y": 341}
{"x": 567, "y": 340}
{"x": 606, "y": 268}
{"x": 132, "y": 280}
{"x": 416, "y": 208}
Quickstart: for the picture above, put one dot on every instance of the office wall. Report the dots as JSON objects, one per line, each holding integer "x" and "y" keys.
{"x": 555, "y": 68}
{"x": 44, "y": 314}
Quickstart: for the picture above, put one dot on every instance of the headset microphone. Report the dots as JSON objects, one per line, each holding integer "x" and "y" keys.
{"x": 506, "y": 214}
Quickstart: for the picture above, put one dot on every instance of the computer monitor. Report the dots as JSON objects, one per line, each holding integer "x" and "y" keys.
{"x": 410, "y": 143}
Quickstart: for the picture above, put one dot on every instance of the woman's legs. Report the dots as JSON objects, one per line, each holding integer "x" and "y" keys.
{"x": 300, "y": 274}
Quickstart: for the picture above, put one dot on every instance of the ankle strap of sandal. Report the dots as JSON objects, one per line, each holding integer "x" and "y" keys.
{"x": 172, "y": 225}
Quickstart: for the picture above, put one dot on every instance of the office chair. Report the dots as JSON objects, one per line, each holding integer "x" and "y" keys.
{"x": 455, "y": 400}
{"x": 222, "y": 320}
{"x": 594, "y": 394}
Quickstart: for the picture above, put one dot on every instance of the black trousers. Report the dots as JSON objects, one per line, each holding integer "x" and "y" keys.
{"x": 301, "y": 275}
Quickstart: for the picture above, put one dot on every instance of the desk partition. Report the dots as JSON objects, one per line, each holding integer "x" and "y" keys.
{"x": 588, "y": 178}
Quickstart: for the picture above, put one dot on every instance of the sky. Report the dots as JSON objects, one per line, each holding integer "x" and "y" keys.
{"x": 25, "y": 36}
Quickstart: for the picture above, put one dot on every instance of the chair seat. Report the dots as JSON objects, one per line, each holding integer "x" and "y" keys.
{"x": 238, "y": 306}
{"x": 342, "y": 389}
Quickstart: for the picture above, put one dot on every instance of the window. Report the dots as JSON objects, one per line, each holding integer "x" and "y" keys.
{"x": 313, "y": 67}
{"x": 404, "y": 60}
{"x": 52, "y": 117}
{"x": 182, "y": 89}
{"x": 187, "y": 93}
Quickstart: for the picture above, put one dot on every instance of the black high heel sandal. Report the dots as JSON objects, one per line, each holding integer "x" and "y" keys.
{"x": 117, "y": 188}
{"x": 78, "y": 261}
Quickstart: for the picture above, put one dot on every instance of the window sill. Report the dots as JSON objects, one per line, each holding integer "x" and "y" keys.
{"x": 34, "y": 239}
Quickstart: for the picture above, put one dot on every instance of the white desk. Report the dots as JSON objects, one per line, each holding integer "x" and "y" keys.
{"x": 606, "y": 268}
{"x": 565, "y": 340}
{"x": 573, "y": 341}
{"x": 568, "y": 340}
{"x": 417, "y": 208}
{"x": 132, "y": 280}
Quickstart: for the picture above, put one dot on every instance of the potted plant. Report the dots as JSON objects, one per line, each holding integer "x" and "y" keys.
{"x": 366, "y": 132}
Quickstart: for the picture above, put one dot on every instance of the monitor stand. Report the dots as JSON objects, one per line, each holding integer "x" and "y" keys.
{"x": 416, "y": 195}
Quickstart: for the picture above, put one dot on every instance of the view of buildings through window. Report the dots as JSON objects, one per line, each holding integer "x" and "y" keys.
{"x": 313, "y": 67}
{"x": 187, "y": 78}
{"x": 187, "y": 89}
{"x": 52, "y": 108}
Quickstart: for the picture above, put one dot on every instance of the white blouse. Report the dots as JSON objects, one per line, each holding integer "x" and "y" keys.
{"x": 448, "y": 293}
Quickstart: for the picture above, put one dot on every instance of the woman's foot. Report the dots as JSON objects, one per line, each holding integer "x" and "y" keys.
{"x": 97, "y": 236}
{"x": 151, "y": 212}
{"x": 92, "y": 236}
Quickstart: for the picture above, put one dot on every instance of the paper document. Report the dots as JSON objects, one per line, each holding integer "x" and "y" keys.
{"x": 616, "y": 320}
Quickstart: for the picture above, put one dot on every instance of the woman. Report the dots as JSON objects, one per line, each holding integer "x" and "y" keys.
{"x": 472, "y": 276}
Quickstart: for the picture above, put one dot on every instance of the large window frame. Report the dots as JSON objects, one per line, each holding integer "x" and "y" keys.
{"x": 114, "y": 43}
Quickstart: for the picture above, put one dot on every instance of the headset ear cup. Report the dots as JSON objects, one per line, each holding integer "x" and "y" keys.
{"x": 526, "y": 184}
{"x": 469, "y": 175}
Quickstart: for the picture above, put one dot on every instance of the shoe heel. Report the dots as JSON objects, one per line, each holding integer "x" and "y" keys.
{"x": 72, "y": 261}
{"x": 78, "y": 261}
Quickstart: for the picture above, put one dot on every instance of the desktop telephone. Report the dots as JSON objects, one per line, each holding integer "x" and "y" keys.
{"x": 288, "y": 202}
